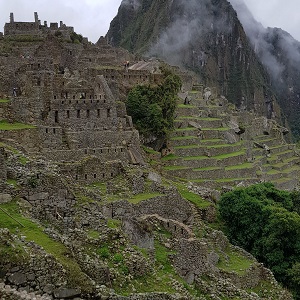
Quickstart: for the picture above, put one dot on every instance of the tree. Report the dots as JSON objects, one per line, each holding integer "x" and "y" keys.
{"x": 262, "y": 220}
{"x": 152, "y": 108}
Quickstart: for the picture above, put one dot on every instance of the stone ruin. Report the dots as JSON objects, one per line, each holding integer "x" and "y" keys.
{"x": 62, "y": 89}
{"x": 36, "y": 28}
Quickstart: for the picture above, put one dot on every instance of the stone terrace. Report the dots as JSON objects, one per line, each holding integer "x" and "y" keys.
{"x": 216, "y": 145}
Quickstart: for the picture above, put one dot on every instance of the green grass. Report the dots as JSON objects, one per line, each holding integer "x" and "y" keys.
{"x": 190, "y": 196}
{"x": 216, "y": 129}
{"x": 196, "y": 157}
{"x": 141, "y": 197}
{"x": 150, "y": 150}
{"x": 169, "y": 157}
{"x": 82, "y": 199}
{"x": 34, "y": 232}
{"x": 180, "y": 138}
{"x": 4, "y": 100}
{"x": 23, "y": 160}
{"x": 185, "y": 129}
{"x": 207, "y": 169}
{"x": 186, "y": 106}
{"x": 175, "y": 168}
{"x": 113, "y": 223}
{"x": 234, "y": 262}
{"x": 93, "y": 234}
{"x": 10, "y": 148}
{"x": 12, "y": 182}
{"x": 240, "y": 167}
{"x": 232, "y": 154}
{"x": 4, "y": 125}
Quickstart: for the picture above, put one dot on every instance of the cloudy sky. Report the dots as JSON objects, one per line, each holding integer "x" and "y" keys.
{"x": 91, "y": 18}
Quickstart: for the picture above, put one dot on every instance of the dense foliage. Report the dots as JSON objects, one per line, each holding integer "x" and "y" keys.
{"x": 152, "y": 108}
{"x": 265, "y": 222}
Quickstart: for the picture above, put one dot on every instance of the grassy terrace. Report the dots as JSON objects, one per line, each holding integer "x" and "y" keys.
{"x": 174, "y": 168}
{"x": 240, "y": 167}
{"x": 189, "y": 196}
{"x": 141, "y": 197}
{"x": 222, "y": 156}
{"x": 4, "y": 100}
{"x": 179, "y": 138}
{"x": 4, "y": 125}
{"x": 34, "y": 232}
{"x": 216, "y": 129}
{"x": 234, "y": 262}
{"x": 197, "y": 118}
{"x": 208, "y": 169}
{"x": 208, "y": 146}
{"x": 186, "y": 106}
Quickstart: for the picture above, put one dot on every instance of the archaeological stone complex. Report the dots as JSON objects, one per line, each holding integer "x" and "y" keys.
{"x": 70, "y": 153}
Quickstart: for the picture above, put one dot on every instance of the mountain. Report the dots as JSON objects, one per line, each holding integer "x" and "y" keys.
{"x": 279, "y": 52}
{"x": 224, "y": 44}
{"x": 206, "y": 37}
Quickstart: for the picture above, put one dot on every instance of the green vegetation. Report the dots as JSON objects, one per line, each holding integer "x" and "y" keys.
{"x": 4, "y": 125}
{"x": 76, "y": 38}
{"x": 112, "y": 223}
{"x": 266, "y": 222}
{"x": 4, "y": 100}
{"x": 34, "y": 232}
{"x": 152, "y": 108}
{"x": 144, "y": 196}
{"x": 190, "y": 196}
{"x": 234, "y": 261}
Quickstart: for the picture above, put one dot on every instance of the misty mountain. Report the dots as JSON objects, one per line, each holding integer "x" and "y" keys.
{"x": 204, "y": 36}
{"x": 224, "y": 44}
{"x": 279, "y": 52}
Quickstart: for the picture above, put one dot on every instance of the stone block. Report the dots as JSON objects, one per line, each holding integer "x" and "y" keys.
{"x": 17, "y": 278}
{"x": 65, "y": 293}
{"x": 5, "y": 198}
{"x": 38, "y": 196}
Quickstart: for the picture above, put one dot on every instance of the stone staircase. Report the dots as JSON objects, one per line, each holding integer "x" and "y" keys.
{"x": 206, "y": 149}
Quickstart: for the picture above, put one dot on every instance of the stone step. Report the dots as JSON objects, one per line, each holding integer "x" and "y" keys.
{"x": 184, "y": 140}
{"x": 227, "y": 182}
{"x": 211, "y": 173}
{"x": 286, "y": 183}
{"x": 205, "y": 150}
{"x": 269, "y": 141}
{"x": 187, "y": 110}
{"x": 194, "y": 140}
{"x": 281, "y": 148}
{"x": 203, "y": 122}
{"x": 281, "y": 156}
{"x": 232, "y": 159}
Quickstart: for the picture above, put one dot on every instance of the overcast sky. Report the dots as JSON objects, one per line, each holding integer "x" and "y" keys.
{"x": 91, "y": 18}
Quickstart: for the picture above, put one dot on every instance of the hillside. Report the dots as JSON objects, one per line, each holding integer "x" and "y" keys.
{"x": 88, "y": 212}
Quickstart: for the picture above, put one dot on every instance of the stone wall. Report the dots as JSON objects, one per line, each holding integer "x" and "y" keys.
{"x": 3, "y": 170}
{"x": 92, "y": 170}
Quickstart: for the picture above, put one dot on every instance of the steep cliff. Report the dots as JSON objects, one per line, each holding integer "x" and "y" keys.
{"x": 204, "y": 36}
{"x": 279, "y": 52}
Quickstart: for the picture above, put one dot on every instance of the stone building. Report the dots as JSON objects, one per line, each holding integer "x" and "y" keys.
{"x": 36, "y": 28}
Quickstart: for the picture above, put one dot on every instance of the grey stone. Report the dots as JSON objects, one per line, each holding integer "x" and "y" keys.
{"x": 65, "y": 293}
{"x": 17, "y": 278}
{"x": 49, "y": 288}
{"x": 5, "y": 198}
{"x": 154, "y": 177}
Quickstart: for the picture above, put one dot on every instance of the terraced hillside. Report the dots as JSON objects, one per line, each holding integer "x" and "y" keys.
{"x": 216, "y": 144}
